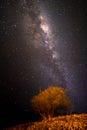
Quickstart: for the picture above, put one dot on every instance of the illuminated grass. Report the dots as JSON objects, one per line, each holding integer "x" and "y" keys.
{"x": 68, "y": 122}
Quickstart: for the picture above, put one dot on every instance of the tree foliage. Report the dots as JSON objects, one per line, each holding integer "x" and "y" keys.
{"x": 49, "y": 100}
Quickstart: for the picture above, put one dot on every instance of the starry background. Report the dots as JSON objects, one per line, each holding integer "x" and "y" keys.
{"x": 42, "y": 43}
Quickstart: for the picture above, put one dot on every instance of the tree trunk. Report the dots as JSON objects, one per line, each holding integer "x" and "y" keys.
{"x": 49, "y": 117}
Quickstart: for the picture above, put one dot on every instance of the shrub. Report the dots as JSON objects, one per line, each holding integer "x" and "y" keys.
{"x": 50, "y": 100}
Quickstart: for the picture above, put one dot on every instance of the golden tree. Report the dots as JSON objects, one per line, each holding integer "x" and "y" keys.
{"x": 49, "y": 100}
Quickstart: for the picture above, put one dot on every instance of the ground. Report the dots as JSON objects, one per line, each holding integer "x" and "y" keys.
{"x": 68, "y": 122}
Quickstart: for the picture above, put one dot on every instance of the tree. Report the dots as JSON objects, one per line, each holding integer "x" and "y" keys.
{"x": 49, "y": 100}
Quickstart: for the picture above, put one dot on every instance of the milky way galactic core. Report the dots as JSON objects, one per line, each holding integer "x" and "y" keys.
{"x": 37, "y": 22}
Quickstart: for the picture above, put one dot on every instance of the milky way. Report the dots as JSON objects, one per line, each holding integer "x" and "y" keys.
{"x": 52, "y": 44}
{"x": 38, "y": 24}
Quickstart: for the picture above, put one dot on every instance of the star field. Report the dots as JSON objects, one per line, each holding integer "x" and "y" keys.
{"x": 42, "y": 43}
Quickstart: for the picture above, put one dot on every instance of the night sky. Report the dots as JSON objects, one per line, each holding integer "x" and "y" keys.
{"x": 42, "y": 43}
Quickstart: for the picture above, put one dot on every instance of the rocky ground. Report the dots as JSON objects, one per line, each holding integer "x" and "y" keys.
{"x": 68, "y": 122}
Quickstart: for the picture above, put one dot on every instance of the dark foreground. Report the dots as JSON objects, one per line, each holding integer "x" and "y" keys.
{"x": 68, "y": 122}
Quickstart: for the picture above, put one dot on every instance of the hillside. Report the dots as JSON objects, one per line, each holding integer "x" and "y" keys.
{"x": 68, "y": 122}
